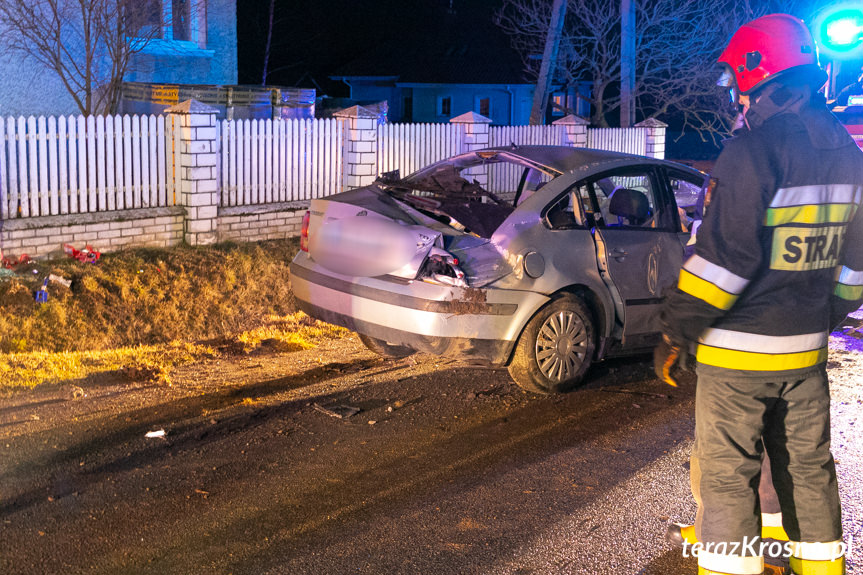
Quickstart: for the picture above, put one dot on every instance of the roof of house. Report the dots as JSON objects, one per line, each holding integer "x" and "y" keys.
{"x": 461, "y": 48}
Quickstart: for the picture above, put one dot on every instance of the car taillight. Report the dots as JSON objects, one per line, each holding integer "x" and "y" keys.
{"x": 304, "y": 232}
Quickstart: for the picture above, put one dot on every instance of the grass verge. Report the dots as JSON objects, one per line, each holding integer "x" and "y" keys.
{"x": 138, "y": 313}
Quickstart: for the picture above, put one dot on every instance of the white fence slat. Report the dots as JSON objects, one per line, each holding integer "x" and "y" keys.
{"x": 113, "y": 159}
{"x": 135, "y": 159}
{"x": 4, "y": 186}
{"x": 127, "y": 162}
{"x": 145, "y": 154}
{"x": 63, "y": 165}
{"x": 14, "y": 176}
{"x": 53, "y": 177}
{"x": 101, "y": 165}
{"x": 233, "y": 165}
{"x": 91, "y": 164}
{"x": 42, "y": 152}
{"x": 31, "y": 163}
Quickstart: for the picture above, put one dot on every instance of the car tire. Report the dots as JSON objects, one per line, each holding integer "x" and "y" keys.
{"x": 556, "y": 348}
{"x": 385, "y": 349}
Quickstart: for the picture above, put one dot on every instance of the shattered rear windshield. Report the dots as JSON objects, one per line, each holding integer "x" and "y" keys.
{"x": 441, "y": 192}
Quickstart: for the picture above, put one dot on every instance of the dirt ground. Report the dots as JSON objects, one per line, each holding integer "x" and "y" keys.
{"x": 241, "y": 467}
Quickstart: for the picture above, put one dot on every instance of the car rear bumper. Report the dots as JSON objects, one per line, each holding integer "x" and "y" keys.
{"x": 481, "y": 324}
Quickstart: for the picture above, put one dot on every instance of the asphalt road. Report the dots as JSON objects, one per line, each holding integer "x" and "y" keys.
{"x": 447, "y": 468}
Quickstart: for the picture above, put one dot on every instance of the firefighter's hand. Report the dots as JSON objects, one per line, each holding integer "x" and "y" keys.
{"x": 665, "y": 356}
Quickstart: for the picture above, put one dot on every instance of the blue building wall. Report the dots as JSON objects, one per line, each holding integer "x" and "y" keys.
{"x": 27, "y": 87}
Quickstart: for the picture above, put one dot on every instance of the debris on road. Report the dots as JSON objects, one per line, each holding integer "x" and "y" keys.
{"x": 155, "y": 434}
{"x": 340, "y": 411}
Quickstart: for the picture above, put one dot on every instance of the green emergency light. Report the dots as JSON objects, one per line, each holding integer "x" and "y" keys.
{"x": 841, "y": 31}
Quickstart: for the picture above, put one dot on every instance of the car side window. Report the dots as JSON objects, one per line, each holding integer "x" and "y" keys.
{"x": 563, "y": 214}
{"x": 628, "y": 199}
{"x": 687, "y": 190}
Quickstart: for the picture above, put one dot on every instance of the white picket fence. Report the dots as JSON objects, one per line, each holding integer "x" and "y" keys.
{"x": 76, "y": 164}
{"x": 72, "y": 165}
{"x": 629, "y": 140}
{"x": 267, "y": 161}
{"x": 503, "y": 178}
{"x": 409, "y": 147}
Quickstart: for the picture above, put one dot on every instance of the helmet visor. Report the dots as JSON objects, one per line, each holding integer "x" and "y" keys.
{"x": 727, "y": 80}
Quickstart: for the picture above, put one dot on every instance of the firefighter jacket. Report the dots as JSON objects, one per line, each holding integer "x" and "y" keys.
{"x": 780, "y": 249}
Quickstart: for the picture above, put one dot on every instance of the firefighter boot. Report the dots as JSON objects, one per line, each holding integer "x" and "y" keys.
{"x": 818, "y": 558}
{"x": 771, "y": 528}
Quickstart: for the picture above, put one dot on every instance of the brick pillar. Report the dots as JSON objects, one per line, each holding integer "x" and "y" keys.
{"x": 195, "y": 164}
{"x": 655, "y": 145}
{"x": 576, "y": 130}
{"x": 476, "y": 137}
{"x": 361, "y": 146}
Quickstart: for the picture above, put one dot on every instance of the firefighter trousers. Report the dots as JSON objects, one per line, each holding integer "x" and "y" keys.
{"x": 739, "y": 414}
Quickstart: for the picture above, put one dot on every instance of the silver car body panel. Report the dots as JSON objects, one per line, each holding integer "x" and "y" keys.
{"x": 509, "y": 275}
{"x": 437, "y": 318}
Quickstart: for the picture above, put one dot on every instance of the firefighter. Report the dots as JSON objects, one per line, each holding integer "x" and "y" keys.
{"x": 778, "y": 263}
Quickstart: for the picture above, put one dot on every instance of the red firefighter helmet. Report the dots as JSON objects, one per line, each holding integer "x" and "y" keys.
{"x": 768, "y": 47}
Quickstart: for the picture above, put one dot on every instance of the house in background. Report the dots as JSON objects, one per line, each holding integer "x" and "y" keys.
{"x": 198, "y": 45}
{"x": 460, "y": 63}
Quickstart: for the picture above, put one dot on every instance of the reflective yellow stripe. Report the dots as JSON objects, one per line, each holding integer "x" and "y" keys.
{"x": 805, "y": 567}
{"x": 752, "y": 361}
{"x": 704, "y": 290}
{"x": 811, "y": 214}
{"x": 851, "y": 293}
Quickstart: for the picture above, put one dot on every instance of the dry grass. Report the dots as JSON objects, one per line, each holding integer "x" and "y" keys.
{"x": 147, "y": 297}
{"x": 136, "y": 312}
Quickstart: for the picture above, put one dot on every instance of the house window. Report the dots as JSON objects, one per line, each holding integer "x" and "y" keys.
{"x": 444, "y": 107}
{"x": 483, "y": 107}
{"x": 558, "y": 102}
{"x": 174, "y": 20}
{"x": 181, "y": 19}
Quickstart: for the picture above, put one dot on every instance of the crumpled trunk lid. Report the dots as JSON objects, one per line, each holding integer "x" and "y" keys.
{"x": 366, "y": 233}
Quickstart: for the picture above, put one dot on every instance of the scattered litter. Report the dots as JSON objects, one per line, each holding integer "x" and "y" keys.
{"x": 340, "y": 411}
{"x": 78, "y": 392}
{"x": 88, "y": 255}
{"x": 155, "y": 434}
{"x": 6, "y": 273}
{"x": 372, "y": 422}
{"x": 390, "y": 409}
{"x": 59, "y": 280}
{"x": 41, "y": 294}
{"x": 9, "y": 263}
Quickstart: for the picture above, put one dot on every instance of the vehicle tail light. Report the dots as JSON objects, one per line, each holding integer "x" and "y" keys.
{"x": 304, "y": 232}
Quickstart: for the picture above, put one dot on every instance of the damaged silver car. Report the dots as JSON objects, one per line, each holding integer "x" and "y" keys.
{"x": 557, "y": 262}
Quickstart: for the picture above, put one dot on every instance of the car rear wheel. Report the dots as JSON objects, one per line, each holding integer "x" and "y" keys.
{"x": 556, "y": 347}
{"x": 385, "y": 349}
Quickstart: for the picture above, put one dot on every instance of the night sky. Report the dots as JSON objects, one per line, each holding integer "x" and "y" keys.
{"x": 313, "y": 38}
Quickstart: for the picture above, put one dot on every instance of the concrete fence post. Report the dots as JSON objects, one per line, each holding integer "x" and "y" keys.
{"x": 196, "y": 162}
{"x": 655, "y": 144}
{"x": 361, "y": 146}
{"x": 476, "y": 137}
{"x": 576, "y": 130}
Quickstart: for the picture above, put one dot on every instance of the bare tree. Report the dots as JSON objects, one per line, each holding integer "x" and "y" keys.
{"x": 89, "y": 44}
{"x": 676, "y": 46}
